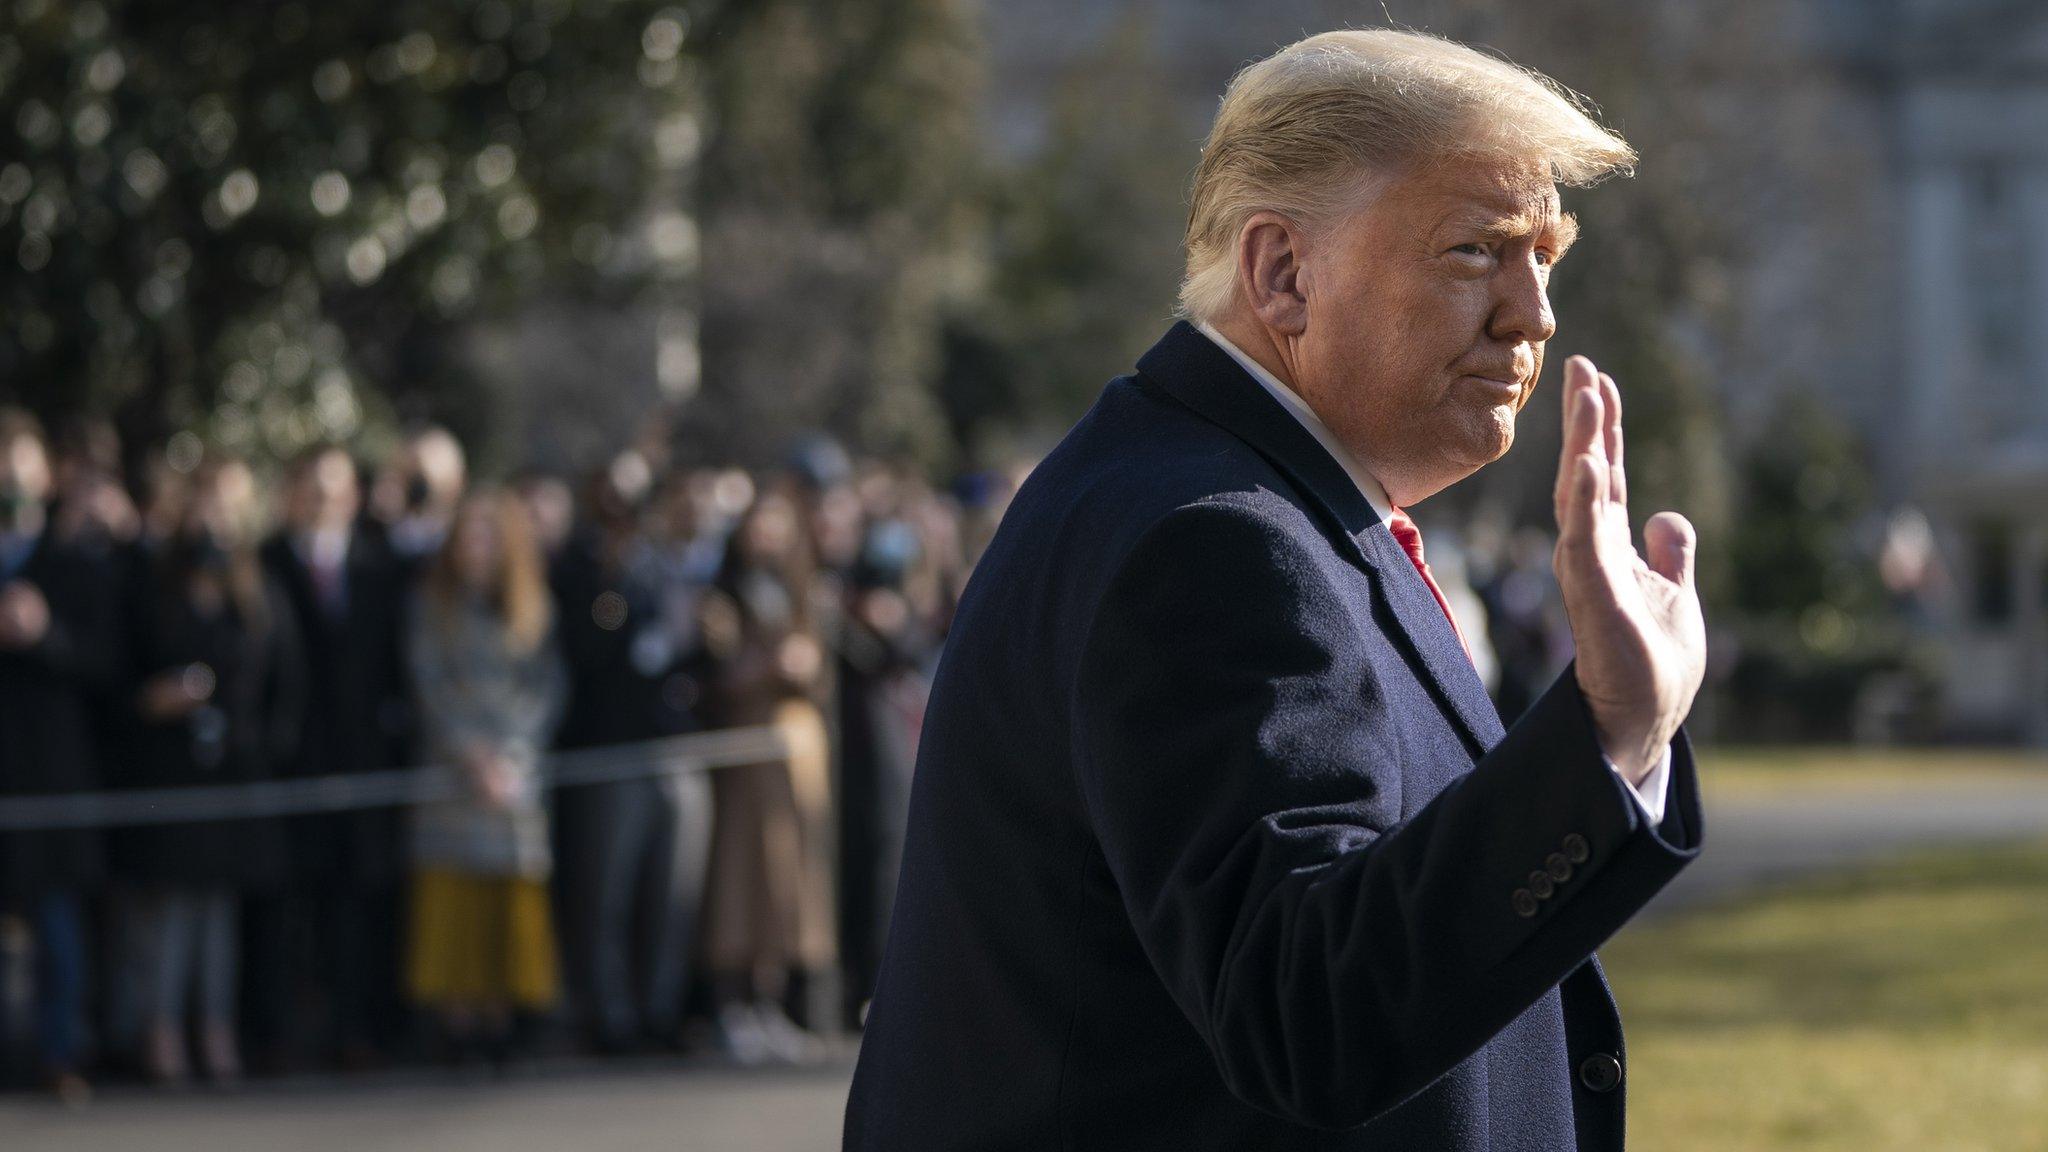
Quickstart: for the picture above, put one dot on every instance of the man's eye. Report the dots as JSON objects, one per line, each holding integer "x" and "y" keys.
{"x": 1470, "y": 249}
{"x": 1545, "y": 258}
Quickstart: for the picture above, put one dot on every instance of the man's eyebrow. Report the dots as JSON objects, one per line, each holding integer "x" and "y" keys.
{"x": 1564, "y": 234}
{"x": 1501, "y": 228}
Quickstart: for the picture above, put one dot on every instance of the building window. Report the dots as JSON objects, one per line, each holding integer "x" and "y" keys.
{"x": 1998, "y": 257}
{"x": 1991, "y": 583}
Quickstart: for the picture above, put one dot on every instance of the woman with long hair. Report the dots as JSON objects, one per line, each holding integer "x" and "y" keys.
{"x": 769, "y": 913}
{"x": 490, "y": 687}
{"x": 218, "y": 695}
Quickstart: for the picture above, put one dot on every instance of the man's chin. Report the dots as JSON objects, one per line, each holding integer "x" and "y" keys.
{"x": 1507, "y": 441}
{"x": 1492, "y": 438}
{"x": 1456, "y": 466}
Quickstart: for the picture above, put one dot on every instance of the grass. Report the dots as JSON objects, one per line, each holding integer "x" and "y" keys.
{"x": 1895, "y": 1008}
{"x": 1757, "y": 770}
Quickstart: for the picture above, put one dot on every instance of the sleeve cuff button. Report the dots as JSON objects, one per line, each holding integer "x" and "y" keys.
{"x": 1576, "y": 850}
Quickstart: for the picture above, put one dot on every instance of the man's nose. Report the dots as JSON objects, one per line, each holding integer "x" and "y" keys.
{"x": 1521, "y": 309}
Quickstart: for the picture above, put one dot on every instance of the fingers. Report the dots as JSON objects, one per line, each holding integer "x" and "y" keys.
{"x": 1578, "y": 506}
{"x": 1582, "y": 468}
{"x": 1617, "y": 480}
{"x": 1579, "y": 377}
{"x": 1671, "y": 542}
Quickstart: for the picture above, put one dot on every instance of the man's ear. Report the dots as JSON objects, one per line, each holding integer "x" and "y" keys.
{"x": 1269, "y": 252}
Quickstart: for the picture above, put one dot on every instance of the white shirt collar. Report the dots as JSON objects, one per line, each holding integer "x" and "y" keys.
{"x": 322, "y": 547}
{"x": 1298, "y": 408}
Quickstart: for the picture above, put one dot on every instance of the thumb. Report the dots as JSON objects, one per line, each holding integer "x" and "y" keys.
{"x": 1671, "y": 542}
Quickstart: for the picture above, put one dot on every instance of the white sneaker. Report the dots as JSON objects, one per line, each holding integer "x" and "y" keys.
{"x": 789, "y": 1043}
{"x": 739, "y": 1035}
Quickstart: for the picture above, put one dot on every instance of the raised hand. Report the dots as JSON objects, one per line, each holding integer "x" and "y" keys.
{"x": 1642, "y": 643}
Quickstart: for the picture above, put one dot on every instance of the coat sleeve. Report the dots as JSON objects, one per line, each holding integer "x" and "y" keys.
{"x": 286, "y": 687}
{"x": 1243, "y": 774}
{"x": 80, "y": 647}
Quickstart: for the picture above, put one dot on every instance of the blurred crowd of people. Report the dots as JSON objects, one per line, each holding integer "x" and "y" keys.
{"x": 191, "y": 620}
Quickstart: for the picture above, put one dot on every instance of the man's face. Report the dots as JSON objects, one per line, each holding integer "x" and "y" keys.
{"x": 324, "y": 494}
{"x": 1426, "y": 316}
{"x": 24, "y": 470}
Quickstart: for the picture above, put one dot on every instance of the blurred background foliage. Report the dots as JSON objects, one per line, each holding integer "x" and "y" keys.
{"x": 271, "y": 224}
{"x": 265, "y": 223}
{"x": 840, "y": 207}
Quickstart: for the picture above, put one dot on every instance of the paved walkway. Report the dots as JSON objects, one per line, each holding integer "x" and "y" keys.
{"x": 592, "y": 1109}
{"x": 1754, "y": 839}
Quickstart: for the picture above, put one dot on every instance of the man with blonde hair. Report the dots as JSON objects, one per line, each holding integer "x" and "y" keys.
{"x": 1216, "y": 841}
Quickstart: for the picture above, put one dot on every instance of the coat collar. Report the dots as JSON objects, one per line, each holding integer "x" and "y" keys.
{"x": 1195, "y": 371}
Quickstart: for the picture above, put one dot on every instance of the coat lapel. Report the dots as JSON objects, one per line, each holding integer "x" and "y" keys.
{"x": 1435, "y": 643}
{"x": 1193, "y": 370}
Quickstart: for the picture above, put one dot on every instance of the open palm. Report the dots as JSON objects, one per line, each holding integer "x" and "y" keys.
{"x": 1636, "y": 622}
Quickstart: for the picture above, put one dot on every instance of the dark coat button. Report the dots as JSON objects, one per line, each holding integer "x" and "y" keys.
{"x": 1539, "y": 883}
{"x": 1525, "y": 903}
{"x": 1600, "y": 1072}
{"x": 1576, "y": 850}
{"x": 1560, "y": 869}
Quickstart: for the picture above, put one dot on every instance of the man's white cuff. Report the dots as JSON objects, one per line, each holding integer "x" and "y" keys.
{"x": 1650, "y": 794}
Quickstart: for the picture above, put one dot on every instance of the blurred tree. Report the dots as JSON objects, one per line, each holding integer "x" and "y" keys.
{"x": 839, "y": 209}
{"x": 1812, "y": 621}
{"x": 263, "y": 221}
{"x": 1084, "y": 244}
{"x": 1798, "y": 564}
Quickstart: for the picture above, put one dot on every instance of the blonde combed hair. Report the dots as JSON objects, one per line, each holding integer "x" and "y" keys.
{"x": 518, "y": 593}
{"x": 1305, "y": 130}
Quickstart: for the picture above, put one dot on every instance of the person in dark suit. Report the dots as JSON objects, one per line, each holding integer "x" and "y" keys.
{"x": 884, "y": 650}
{"x": 336, "y": 936}
{"x": 218, "y": 690}
{"x": 630, "y": 875}
{"x": 1215, "y": 839}
{"x": 57, "y": 662}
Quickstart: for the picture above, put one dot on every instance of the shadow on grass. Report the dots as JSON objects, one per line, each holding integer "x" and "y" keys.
{"x": 1948, "y": 943}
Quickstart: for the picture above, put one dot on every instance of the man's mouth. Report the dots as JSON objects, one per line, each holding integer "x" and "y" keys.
{"x": 1509, "y": 387}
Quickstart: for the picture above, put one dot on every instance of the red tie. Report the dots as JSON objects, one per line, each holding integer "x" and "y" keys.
{"x": 1410, "y": 537}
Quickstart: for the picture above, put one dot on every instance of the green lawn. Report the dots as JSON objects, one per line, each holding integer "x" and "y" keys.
{"x": 1901, "y": 1008}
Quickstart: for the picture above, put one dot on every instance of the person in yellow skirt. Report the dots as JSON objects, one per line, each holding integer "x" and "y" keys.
{"x": 490, "y": 686}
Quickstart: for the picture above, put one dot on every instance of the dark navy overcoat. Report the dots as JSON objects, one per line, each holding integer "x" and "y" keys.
{"x": 1216, "y": 841}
